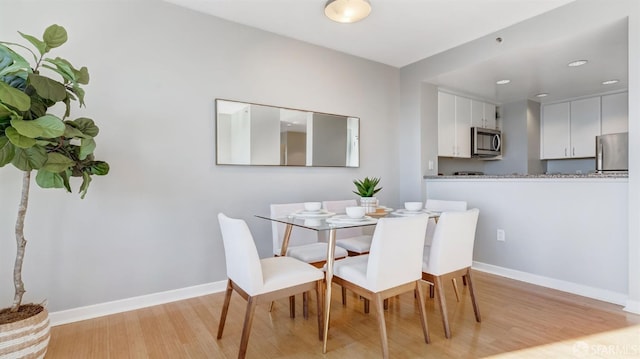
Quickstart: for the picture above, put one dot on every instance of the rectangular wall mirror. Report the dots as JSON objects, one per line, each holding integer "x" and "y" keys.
{"x": 253, "y": 134}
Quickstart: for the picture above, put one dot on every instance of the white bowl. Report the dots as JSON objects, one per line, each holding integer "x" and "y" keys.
{"x": 312, "y": 206}
{"x": 355, "y": 212}
{"x": 413, "y": 206}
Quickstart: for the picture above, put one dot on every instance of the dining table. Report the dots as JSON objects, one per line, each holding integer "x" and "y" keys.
{"x": 331, "y": 222}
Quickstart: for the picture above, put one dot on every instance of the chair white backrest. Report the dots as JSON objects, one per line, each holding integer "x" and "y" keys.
{"x": 243, "y": 262}
{"x": 452, "y": 247}
{"x": 438, "y": 205}
{"x": 339, "y": 208}
{"x": 299, "y": 236}
{"x": 396, "y": 252}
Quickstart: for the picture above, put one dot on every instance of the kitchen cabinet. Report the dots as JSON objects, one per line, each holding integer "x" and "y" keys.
{"x": 615, "y": 113}
{"x": 454, "y": 126}
{"x": 569, "y": 129}
{"x": 483, "y": 114}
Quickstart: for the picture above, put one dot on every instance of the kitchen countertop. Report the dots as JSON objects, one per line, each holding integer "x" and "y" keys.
{"x": 527, "y": 176}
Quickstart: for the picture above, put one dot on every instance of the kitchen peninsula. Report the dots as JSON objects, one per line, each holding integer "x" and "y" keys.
{"x": 564, "y": 231}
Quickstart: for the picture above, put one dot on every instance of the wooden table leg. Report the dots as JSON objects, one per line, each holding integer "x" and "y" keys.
{"x": 331, "y": 248}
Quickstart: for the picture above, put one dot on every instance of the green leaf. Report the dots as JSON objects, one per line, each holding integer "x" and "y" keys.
{"x": 54, "y": 36}
{"x": 57, "y": 162}
{"x": 65, "y": 179}
{"x": 82, "y": 75}
{"x": 14, "y": 98}
{"x": 51, "y": 126}
{"x": 48, "y": 88}
{"x": 46, "y": 179}
{"x": 86, "y": 180}
{"x": 7, "y": 151}
{"x": 71, "y": 132}
{"x": 6, "y": 113}
{"x": 40, "y": 45}
{"x": 86, "y": 147}
{"x": 29, "y": 129}
{"x": 63, "y": 67}
{"x": 99, "y": 168}
{"x": 20, "y": 65}
{"x": 86, "y": 125}
{"x": 80, "y": 92}
{"x": 19, "y": 140}
{"x": 30, "y": 158}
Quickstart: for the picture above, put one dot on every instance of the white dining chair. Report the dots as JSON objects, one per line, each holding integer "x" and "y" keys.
{"x": 451, "y": 255}
{"x": 261, "y": 280}
{"x": 354, "y": 240}
{"x": 389, "y": 269}
{"x": 303, "y": 244}
{"x": 438, "y": 205}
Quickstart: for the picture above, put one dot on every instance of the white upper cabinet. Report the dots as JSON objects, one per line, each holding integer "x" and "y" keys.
{"x": 483, "y": 114}
{"x": 569, "y": 129}
{"x": 555, "y": 131}
{"x": 585, "y": 126}
{"x": 615, "y": 113}
{"x": 454, "y": 126}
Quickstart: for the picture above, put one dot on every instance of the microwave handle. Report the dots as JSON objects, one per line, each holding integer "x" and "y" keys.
{"x": 496, "y": 143}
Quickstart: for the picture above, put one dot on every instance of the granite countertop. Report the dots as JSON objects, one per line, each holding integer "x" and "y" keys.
{"x": 552, "y": 175}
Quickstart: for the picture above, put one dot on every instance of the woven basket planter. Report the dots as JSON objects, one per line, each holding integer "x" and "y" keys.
{"x": 28, "y": 338}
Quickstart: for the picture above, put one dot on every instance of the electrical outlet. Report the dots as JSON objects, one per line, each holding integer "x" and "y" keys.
{"x": 500, "y": 235}
{"x": 430, "y": 164}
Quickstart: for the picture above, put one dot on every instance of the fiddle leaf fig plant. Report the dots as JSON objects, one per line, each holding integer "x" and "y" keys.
{"x": 367, "y": 187}
{"x": 34, "y": 139}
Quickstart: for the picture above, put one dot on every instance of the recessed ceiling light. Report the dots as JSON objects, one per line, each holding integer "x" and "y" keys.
{"x": 577, "y": 63}
{"x": 542, "y": 94}
{"x": 503, "y": 82}
{"x": 610, "y": 82}
{"x": 347, "y": 11}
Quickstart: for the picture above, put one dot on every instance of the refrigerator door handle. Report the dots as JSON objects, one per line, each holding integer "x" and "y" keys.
{"x": 599, "y": 156}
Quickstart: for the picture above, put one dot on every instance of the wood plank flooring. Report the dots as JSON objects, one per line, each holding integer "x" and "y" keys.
{"x": 518, "y": 320}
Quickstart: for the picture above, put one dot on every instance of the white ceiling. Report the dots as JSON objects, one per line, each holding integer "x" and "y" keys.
{"x": 401, "y": 32}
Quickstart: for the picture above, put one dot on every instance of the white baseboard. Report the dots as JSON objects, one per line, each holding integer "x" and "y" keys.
{"x": 570, "y": 287}
{"x": 632, "y": 306}
{"x": 124, "y": 305}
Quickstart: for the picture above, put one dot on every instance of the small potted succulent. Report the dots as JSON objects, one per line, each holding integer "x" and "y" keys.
{"x": 367, "y": 189}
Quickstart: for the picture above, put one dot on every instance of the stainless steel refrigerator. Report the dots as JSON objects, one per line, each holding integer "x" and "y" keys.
{"x": 612, "y": 152}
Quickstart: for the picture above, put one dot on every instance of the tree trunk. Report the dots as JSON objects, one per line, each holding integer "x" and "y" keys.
{"x": 21, "y": 243}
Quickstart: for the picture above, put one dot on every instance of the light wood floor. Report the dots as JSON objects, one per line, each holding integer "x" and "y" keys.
{"x": 518, "y": 320}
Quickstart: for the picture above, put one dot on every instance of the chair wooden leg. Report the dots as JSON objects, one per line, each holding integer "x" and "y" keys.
{"x": 292, "y": 306}
{"x": 379, "y": 307}
{"x": 246, "y": 328}
{"x": 474, "y": 301}
{"x": 366, "y": 306}
{"x": 423, "y": 312}
{"x": 319, "y": 295}
{"x": 225, "y": 308}
{"x": 464, "y": 280}
{"x": 455, "y": 289}
{"x": 305, "y": 305}
{"x": 344, "y": 296}
{"x": 443, "y": 306}
{"x": 385, "y": 304}
{"x": 431, "y": 291}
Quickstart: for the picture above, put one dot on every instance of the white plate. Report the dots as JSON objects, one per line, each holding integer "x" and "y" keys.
{"x": 402, "y": 210}
{"x": 312, "y": 214}
{"x": 342, "y": 218}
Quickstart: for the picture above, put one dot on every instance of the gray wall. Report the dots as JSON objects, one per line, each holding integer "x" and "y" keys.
{"x": 150, "y": 225}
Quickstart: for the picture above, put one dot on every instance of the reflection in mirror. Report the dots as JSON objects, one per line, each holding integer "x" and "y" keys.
{"x": 252, "y": 134}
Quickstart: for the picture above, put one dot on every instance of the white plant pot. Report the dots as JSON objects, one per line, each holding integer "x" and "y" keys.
{"x": 369, "y": 203}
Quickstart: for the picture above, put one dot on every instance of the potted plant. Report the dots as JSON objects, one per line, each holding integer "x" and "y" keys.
{"x": 366, "y": 189}
{"x": 32, "y": 138}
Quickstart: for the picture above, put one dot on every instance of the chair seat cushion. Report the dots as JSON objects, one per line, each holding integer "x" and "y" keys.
{"x": 315, "y": 252}
{"x": 283, "y": 272}
{"x": 359, "y": 244}
{"x": 353, "y": 269}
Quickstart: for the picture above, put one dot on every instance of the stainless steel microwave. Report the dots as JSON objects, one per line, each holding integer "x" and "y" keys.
{"x": 485, "y": 142}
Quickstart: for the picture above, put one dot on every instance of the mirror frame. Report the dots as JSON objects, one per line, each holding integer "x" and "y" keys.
{"x": 303, "y": 156}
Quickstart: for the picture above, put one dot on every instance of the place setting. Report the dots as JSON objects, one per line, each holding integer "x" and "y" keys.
{"x": 411, "y": 209}
{"x": 355, "y": 215}
{"x": 312, "y": 210}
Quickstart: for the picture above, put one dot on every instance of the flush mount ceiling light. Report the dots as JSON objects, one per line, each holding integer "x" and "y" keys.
{"x": 347, "y": 11}
{"x": 610, "y": 82}
{"x": 542, "y": 94}
{"x": 503, "y": 82}
{"x": 577, "y": 63}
